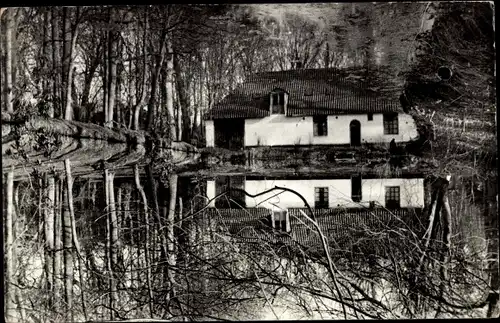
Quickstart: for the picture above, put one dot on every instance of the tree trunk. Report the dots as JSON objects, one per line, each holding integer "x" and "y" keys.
{"x": 69, "y": 48}
{"x": 57, "y": 244}
{"x": 10, "y": 262}
{"x": 172, "y": 259}
{"x": 105, "y": 70}
{"x": 128, "y": 118}
{"x": 68, "y": 256}
{"x": 427, "y": 239}
{"x": 56, "y": 64}
{"x": 128, "y": 229}
{"x": 163, "y": 97}
{"x": 140, "y": 102}
{"x": 49, "y": 237}
{"x": 118, "y": 85}
{"x": 153, "y": 190}
{"x": 112, "y": 239}
{"x": 154, "y": 82}
{"x": 8, "y": 86}
{"x": 146, "y": 245}
{"x": 66, "y": 54}
{"x": 112, "y": 52}
{"x": 109, "y": 266}
{"x": 445, "y": 252}
{"x": 46, "y": 67}
{"x": 114, "y": 222}
{"x": 180, "y": 212}
{"x": 3, "y": 42}
{"x": 88, "y": 77}
{"x": 179, "y": 119}
{"x": 170, "y": 91}
{"x": 194, "y": 132}
{"x": 119, "y": 229}
{"x": 69, "y": 187}
{"x": 153, "y": 195}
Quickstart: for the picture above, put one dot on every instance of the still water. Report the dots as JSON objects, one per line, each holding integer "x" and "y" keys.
{"x": 241, "y": 238}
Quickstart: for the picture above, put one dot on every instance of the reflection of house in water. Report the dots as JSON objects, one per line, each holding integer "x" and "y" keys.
{"x": 338, "y": 204}
{"x": 353, "y": 192}
{"x": 307, "y": 107}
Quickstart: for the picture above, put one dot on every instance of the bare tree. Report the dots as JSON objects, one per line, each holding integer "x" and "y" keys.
{"x": 47, "y": 63}
{"x": 141, "y": 99}
{"x": 10, "y": 261}
{"x": 184, "y": 102}
{"x": 70, "y": 35}
{"x": 56, "y": 63}
{"x": 58, "y": 244}
{"x": 68, "y": 255}
{"x": 49, "y": 236}
{"x": 112, "y": 49}
{"x": 9, "y": 34}
{"x": 155, "y": 78}
{"x": 76, "y": 243}
{"x": 146, "y": 245}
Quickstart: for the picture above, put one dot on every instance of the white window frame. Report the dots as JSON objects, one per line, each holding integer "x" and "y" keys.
{"x": 277, "y": 93}
{"x": 283, "y": 216}
{"x": 391, "y": 124}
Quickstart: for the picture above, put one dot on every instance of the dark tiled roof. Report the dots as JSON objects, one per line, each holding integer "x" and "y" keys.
{"x": 337, "y": 224}
{"x": 311, "y": 92}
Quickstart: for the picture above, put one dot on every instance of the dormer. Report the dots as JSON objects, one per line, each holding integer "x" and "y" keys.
{"x": 278, "y": 99}
{"x": 279, "y": 220}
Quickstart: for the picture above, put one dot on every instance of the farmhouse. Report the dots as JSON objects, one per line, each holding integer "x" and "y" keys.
{"x": 307, "y": 107}
{"x": 339, "y": 205}
{"x": 319, "y": 193}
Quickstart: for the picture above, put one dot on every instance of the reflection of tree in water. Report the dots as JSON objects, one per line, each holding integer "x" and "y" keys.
{"x": 225, "y": 263}
{"x": 390, "y": 269}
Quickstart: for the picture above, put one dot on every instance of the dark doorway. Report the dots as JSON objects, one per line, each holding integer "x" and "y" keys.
{"x": 229, "y": 133}
{"x": 355, "y": 133}
{"x": 233, "y": 198}
{"x": 356, "y": 188}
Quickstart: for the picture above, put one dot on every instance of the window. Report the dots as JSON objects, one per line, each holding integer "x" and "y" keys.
{"x": 392, "y": 198}
{"x": 320, "y": 125}
{"x": 356, "y": 188}
{"x": 278, "y": 102}
{"x": 321, "y": 197}
{"x": 370, "y": 116}
{"x": 296, "y": 64}
{"x": 391, "y": 126}
{"x": 279, "y": 221}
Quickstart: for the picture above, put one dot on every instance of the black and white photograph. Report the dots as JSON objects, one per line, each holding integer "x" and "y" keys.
{"x": 249, "y": 161}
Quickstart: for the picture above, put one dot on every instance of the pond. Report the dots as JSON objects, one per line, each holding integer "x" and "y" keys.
{"x": 197, "y": 234}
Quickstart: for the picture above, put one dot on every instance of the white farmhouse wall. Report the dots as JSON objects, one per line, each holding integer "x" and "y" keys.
{"x": 277, "y": 130}
{"x": 411, "y": 190}
{"x": 339, "y": 192}
{"x": 210, "y": 133}
{"x": 373, "y": 131}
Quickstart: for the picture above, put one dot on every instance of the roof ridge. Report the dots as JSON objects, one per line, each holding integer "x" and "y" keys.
{"x": 331, "y": 91}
